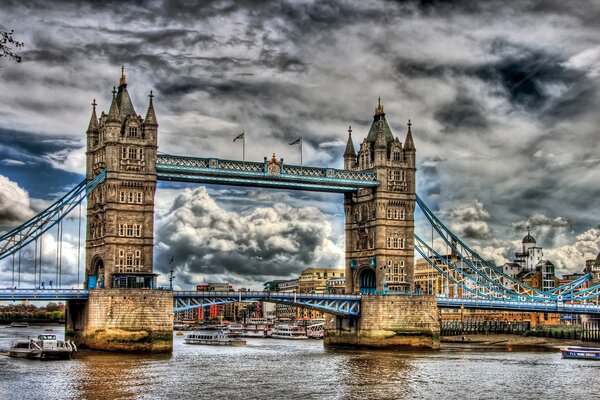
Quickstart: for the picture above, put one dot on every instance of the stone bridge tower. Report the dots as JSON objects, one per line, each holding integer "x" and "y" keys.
{"x": 120, "y": 212}
{"x": 124, "y": 311}
{"x": 380, "y": 249}
{"x": 380, "y": 221}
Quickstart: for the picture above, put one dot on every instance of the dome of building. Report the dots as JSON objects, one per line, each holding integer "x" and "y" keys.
{"x": 528, "y": 238}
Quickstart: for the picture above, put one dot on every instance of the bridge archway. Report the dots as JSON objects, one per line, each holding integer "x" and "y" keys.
{"x": 367, "y": 280}
{"x": 96, "y": 279}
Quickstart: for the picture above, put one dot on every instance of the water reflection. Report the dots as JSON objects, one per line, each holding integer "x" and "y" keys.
{"x": 114, "y": 376}
{"x": 375, "y": 374}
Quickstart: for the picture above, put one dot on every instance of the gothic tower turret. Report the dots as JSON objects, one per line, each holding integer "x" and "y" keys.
{"x": 380, "y": 222}
{"x": 350, "y": 153}
{"x": 120, "y": 211}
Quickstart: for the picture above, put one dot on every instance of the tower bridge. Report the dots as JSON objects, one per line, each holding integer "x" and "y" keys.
{"x": 381, "y": 307}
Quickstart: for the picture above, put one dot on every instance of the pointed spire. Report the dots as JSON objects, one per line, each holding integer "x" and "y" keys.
{"x": 123, "y": 100}
{"x": 408, "y": 142}
{"x": 350, "y": 152}
{"x": 122, "y": 81}
{"x": 93, "y": 126}
{"x": 379, "y": 108}
{"x": 150, "y": 119}
{"x": 113, "y": 113}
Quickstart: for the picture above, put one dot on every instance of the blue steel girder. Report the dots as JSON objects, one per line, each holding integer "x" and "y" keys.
{"x": 43, "y": 294}
{"x": 248, "y": 173}
{"x": 348, "y": 305}
{"x": 514, "y": 305}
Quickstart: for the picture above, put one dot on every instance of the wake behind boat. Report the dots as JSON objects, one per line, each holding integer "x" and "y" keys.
{"x": 583, "y": 353}
{"x": 216, "y": 337}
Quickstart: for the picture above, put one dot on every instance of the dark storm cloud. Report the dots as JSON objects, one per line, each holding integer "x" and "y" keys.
{"x": 528, "y": 76}
{"x": 28, "y": 146}
{"x": 463, "y": 112}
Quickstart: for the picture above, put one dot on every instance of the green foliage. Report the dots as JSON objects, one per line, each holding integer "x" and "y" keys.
{"x": 29, "y": 312}
{"x": 7, "y": 42}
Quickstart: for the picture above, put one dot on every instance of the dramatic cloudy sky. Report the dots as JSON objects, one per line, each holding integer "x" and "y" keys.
{"x": 504, "y": 102}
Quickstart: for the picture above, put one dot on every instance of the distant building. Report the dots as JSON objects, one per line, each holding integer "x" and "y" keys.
{"x": 217, "y": 311}
{"x": 594, "y": 269}
{"x": 335, "y": 285}
{"x": 314, "y": 280}
{"x": 530, "y": 255}
{"x": 283, "y": 311}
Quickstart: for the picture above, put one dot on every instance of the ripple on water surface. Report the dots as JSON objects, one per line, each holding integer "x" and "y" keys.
{"x": 279, "y": 369}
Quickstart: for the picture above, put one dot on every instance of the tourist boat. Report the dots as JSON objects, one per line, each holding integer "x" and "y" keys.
{"x": 45, "y": 347}
{"x": 257, "y": 328}
{"x": 315, "y": 331}
{"x": 291, "y": 332}
{"x": 585, "y": 353}
{"x": 19, "y": 325}
{"x": 216, "y": 337}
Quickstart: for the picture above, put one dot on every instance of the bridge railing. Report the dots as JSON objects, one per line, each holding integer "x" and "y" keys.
{"x": 262, "y": 294}
{"x": 169, "y": 166}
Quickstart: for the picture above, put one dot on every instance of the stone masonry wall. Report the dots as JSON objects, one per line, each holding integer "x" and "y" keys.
{"x": 388, "y": 321}
{"x": 139, "y": 320}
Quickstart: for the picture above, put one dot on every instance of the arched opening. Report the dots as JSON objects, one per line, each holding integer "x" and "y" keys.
{"x": 367, "y": 281}
{"x": 96, "y": 278}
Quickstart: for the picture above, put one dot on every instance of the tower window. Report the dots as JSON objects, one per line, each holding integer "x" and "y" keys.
{"x": 130, "y": 230}
{"x": 133, "y": 131}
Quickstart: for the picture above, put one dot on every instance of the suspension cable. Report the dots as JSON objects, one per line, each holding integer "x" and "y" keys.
{"x": 41, "y": 258}
{"x": 79, "y": 247}
{"x": 57, "y": 255}
{"x": 35, "y": 263}
{"x": 13, "y": 271}
{"x": 19, "y": 274}
{"x": 60, "y": 246}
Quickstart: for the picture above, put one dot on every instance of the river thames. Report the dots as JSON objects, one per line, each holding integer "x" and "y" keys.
{"x": 280, "y": 369}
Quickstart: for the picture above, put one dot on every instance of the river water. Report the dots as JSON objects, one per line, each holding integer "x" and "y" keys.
{"x": 280, "y": 369}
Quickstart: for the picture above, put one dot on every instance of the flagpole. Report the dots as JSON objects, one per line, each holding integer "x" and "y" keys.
{"x": 300, "y": 151}
{"x": 244, "y": 146}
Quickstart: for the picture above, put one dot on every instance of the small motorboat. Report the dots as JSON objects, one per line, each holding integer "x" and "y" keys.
{"x": 19, "y": 324}
{"x": 583, "y": 353}
{"x": 45, "y": 347}
{"x": 25, "y": 349}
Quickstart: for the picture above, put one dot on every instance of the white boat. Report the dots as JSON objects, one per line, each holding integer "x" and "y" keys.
{"x": 257, "y": 328}
{"x": 25, "y": 349}
{"x": 216, "y": 337}
{"x": 18, "y": 324}
{"x": 315, "y": 331}
{"x": 45, "y": 347}
{"x": 290, "y": 332}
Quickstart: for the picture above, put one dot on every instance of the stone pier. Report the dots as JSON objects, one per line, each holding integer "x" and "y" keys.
{"x": 128, "y": 320}
{"x": 388, "y": 321}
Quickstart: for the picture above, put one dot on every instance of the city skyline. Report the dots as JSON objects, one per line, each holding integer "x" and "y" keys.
{"x": 502, "y": 101}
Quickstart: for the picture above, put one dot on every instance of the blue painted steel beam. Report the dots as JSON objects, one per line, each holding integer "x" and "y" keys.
{"x": 511, "y": 305}
{"x": 43, "y": 294}
{"x": 247, "y": 173}
{"x": 338, "y": 304}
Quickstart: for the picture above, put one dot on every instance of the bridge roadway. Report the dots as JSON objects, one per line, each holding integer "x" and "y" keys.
{"x": 338, "y": 304}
